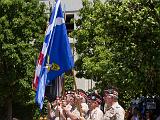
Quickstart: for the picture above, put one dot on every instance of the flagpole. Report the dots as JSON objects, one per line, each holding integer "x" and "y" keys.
{"x": 74, "y": 80}
{"x": 75, "y": 85}
{"x": 57, "y": 81}
{"x": 58, "y": 95}
{"x": 63, "y": 89}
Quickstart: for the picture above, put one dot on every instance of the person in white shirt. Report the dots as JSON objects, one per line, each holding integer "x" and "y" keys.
{"x": 113, "y": 111}
{"x": 95, "y": 113}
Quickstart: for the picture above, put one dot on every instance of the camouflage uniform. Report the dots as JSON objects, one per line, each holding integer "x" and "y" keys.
{"x": 85, "y": 109}
{"x": 72, "y": 110}
{"x": 96, "y": 114}
{"x": 80, "y": 99}
{"x": 76, "y": 112}
{"x": 115, "y": 112}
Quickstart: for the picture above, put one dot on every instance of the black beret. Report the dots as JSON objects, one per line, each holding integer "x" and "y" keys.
{"x": 95, "y": 97}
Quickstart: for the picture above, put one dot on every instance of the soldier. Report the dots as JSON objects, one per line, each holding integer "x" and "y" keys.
{"x": 95, "y": 112}
{"x": 82, "y": 99}
{"x": 55, "y": 109}
{"x": 70, "y": 111}
{"x": 113, "y": 111}
{"x": 77, "y": 103}
{"x": 70, "y": 99}
{"x": 55, "y": 112}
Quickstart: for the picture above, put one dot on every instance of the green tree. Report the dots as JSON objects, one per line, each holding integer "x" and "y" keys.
{"x": 69, "y": 82}
{"x": 118, "y": 44}
{"x": 22, "y": 26}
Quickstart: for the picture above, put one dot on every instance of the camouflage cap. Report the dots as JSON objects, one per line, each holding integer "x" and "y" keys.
{"x": 111, "y": 92}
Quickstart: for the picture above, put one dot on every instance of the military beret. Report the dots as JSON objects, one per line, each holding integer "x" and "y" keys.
{"x": 95, "y": 97}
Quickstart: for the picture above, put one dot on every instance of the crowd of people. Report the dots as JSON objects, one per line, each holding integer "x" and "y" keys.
{"x": 135, "y": 114}
{"x": 144, "y": 108}
{"x": 77, "y": 105}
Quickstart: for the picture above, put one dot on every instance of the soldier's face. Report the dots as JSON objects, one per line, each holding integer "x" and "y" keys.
{"x": 71, "y": 100}
{"x": 108, "y": 99}
{"x": 92, "y": 104}
{"x": 67, "y": 98}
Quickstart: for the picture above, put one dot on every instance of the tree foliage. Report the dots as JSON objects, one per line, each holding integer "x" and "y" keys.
{"x": 22, "y": 26}
{"x": 69, "y": 82}
{"x": 118, "y": 44}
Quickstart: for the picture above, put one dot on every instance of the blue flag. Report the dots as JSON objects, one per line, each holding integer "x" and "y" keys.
{"x": 56, "y": 56}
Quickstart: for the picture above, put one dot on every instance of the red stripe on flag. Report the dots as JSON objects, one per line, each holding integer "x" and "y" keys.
{"x": 40, "y": 58}
{"x": 35, "y": 83}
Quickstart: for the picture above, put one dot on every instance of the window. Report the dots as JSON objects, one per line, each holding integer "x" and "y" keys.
{"x": 69, "y": 23}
